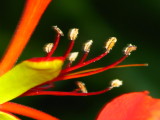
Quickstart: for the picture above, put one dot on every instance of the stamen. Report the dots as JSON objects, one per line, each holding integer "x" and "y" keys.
{"x": 58, "y": 30}
{"x": 72, "y": 57}
{"x": 65, "y": 75}
{"x": 82, "y": 87}
{"x": 131, "y": 65}
{"x": 83, "y": 58}
{"x": 90, "y": 73}
{"x": 56, "y": 41}
{"x": 84, "y": 63}
{"x": 118, "y": 66}
{"x": 86, "y": 49}
{"x": 72, "y": 36}
{"x": 58, "y": 93}
{"x": 116, "y": 83}
{"x": 87, "y": 46}
{"x": 129, "y": 49}
{"x": 73, "y": 33}
{"x": 48, "y": 47}
{"x": 110, "y": 43}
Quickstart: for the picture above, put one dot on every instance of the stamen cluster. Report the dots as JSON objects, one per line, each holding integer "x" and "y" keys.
{"x": 67, "y": 73}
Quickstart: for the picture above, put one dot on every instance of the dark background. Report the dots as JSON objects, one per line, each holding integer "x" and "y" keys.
{"x": 134, "y": 21}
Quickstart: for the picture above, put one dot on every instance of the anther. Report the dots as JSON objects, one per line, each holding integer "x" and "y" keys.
{"x": 116, "y": 83}
{"x": 73, "y": 33}
{"x": 72, "y": 57}
{"x": 58, "y": 30}
{"x": 87, "y": 45}
{"x": 48, "y": 47}
{"x": 82, "y": 87}
{"x": 129, "y": 49}
{"x": 110, "y": 43}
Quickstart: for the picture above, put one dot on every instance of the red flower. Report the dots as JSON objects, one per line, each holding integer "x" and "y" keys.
{"x": 29, "y": 20}
{"x": 132, "y": 106}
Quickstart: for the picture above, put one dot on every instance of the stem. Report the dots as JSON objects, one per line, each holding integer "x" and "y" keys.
{"x": 26, "y": 111}
{"x": 31, "y": 15}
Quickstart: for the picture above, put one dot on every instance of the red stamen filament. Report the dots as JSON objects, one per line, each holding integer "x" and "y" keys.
{"x": 90, "y": 73}
{"x": 41, "y": 87}
{"x": 83, "y": 58}
{"x": 57, "y": 93}
{"x": 70, "y": 47}
{"x": 57, "y": 39}
{"x": 86, "y": 49}
{"x": 84, "y": 63}
{"x": 26, "y": 111}
{"x": 69, "y": 64}
{"x": 118, "y": 66}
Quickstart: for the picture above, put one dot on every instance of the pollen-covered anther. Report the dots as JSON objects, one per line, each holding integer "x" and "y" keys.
{"x": 116, "y": 83}
{"x": 58, "y": 30}
{"x": 82, "y": 87}
{"x": 72, "y": 56}
{"x": 87, "y": 45}
{"x": 73, "y": 33}
{"x": 110, "y": 43}
{"x": 48, "y": 47}
{"x": 129, "y": 49}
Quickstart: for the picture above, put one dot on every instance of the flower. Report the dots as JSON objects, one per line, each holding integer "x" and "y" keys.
{"x": 29, "y": 20}
{"x": 131, "y": 106}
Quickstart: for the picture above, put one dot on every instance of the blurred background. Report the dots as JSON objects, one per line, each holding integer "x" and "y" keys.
{"x": 135, "y": 22}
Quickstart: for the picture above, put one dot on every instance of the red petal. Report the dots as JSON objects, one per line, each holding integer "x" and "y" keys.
{"x": 132, "y": 106}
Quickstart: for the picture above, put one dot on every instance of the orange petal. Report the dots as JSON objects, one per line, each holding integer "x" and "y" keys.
{"x": 132, "y": 106}
{"x": 25, "y": 111}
